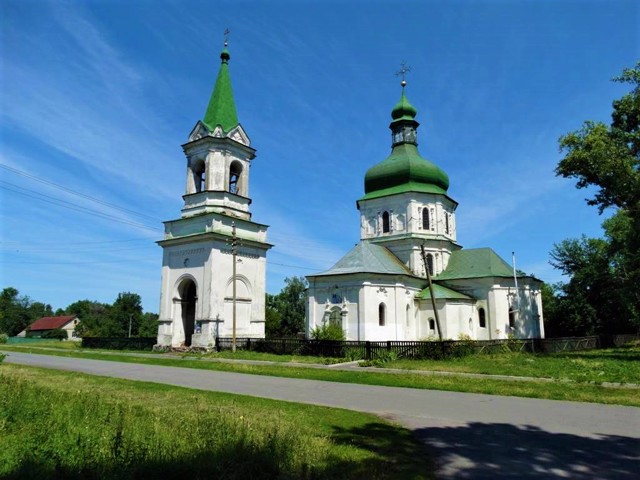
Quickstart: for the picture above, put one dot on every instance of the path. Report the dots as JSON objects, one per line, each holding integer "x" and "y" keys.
{"x": 474, "y": 436}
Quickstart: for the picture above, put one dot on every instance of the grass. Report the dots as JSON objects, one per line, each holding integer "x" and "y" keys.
{"x": 560, "y": 390}
{"x": 270, "y": 357}
{"x": 616, "y": 365}
{"x": 56, "y": 424}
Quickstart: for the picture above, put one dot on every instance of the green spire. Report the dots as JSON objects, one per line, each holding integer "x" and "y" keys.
{"x": 222, "y": 109}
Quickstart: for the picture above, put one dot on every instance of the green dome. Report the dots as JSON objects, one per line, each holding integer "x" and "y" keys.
{"x": 405, "y": 171}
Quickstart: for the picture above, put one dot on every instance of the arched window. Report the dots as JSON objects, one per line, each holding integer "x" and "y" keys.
{"x": 407, "y": 315}
{"x": 446, "y": 223}
{"x": 430, "y": 263}
{"x": 386, "y": 225}
{"x": 382, "y": 313}
{"x": 234, "y": 177}
{"x": 512, "y": 316}
{"x": 482, "y": 318}
{"x": 425, "y": 219}
{"x": 335, "y": 318}
{"x": 432, "y": 324}
{"x": 200, "y": 177}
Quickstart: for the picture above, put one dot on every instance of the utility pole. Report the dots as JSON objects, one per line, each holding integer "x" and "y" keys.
{"x": 130, "y": 316}
{"x": 234, "y": 255}
{"x": 433, "y": 298}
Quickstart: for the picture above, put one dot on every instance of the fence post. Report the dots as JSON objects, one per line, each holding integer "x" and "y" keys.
{"x": 217, "y": 344}
{"x": 248, "y": 344}
{"x": 388, "y": 345}
{"x": 367, "y": 347}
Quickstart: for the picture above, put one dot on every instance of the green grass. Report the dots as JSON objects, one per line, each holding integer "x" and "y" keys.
{"x": 270, "y": 357}
{"x": 616, "y": 365}
{"x": 560, "y": 390}
{"x": 56, "y": 424}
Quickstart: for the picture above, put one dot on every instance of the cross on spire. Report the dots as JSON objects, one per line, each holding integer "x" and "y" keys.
{"x": 403, "y": 71}
{"x": 226, "y": 36}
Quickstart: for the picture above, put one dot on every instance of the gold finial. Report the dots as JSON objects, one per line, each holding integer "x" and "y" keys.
{"x": 226, "y": 36}
{"x": 403, "y": 71}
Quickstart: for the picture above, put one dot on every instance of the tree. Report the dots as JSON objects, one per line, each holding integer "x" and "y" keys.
{"x": 605, "y": 272}
{"x": 92, "y": 315}
{"x": 125, "y": 315}
{"x": 14, "y": 311}
{"x": 285, "y": 311}
{"x": 148, "y": 325}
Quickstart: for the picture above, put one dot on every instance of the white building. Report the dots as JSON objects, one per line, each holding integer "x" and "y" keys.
{"x": 199, "y": 290}
{"x": 378, "y": 290}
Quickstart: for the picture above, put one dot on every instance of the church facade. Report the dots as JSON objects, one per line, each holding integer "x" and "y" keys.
{"x": 379, "y": 290}
{"x": 214, "y": 255}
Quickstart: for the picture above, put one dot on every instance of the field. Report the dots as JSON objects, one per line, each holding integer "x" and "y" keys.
{"x": 56, "y": 424}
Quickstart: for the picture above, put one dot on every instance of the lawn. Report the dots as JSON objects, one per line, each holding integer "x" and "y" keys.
{"x": 616, "y": 365}
{"x": 56, "y": 424}
{"x": 556, "y": 390}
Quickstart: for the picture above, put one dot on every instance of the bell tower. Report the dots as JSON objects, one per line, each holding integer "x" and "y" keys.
{"x": 202, "y": 288}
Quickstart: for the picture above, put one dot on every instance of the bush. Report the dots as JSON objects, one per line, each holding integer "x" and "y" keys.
{"x": 4, "y": 338}
{"x": 328, "y": 331}
{"x": 464, "y": 346}
{"x": 56, "y": 333}
{"x": 2, "y": 357}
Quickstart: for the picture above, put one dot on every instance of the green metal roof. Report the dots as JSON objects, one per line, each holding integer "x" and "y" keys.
{"x": 475, "y": 263}
{"x": 222, "y": 109}
{"x": 367, "y": 257}
{"x": 442, "y": 292}
{"x": 403, "y": 109}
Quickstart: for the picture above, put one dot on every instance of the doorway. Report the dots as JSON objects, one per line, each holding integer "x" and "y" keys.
{"x": 188, "y": 302}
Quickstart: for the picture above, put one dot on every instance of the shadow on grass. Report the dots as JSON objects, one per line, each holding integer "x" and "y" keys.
{"x": 397, "y": 454}
{"x": 496, "y": 451}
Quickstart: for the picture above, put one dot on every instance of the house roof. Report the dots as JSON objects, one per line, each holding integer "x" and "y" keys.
{"x": 475, "y": 263}
{"x": 367, "y": 257}
{"x": 442, "y": 292}
{"x": 50, "y": 323}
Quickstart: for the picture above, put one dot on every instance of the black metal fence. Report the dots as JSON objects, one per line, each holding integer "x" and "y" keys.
{"x": 416, "y": 349}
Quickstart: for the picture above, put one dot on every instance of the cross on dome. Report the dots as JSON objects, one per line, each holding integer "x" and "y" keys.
{"x": 403, "y": 71}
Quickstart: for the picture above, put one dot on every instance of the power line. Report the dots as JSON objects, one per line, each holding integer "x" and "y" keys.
{"x": 73, "y": 206}
{"x": 74, "y": 192}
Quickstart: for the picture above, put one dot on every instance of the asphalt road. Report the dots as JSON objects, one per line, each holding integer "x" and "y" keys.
{"x": 473, "y": 436}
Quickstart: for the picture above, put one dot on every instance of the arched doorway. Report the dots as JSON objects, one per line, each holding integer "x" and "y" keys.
{"x": 188, "y": 300}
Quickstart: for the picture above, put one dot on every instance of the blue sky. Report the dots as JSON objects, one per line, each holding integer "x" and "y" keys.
{"x": 98, "y": 96}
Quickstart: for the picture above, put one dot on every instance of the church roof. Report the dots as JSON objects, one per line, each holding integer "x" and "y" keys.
{"x": 442, "y": 292}
{"x": 367, "y": 257}
{"x": 404, "y": 170}
{"x": 222, "y": 108}
{"x": 475, "y": 263}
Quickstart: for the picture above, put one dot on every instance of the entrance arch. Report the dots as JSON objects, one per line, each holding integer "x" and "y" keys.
{"x": 188, "y": 298}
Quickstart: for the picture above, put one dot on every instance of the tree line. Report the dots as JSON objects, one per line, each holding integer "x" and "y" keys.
{"x": 602, "y": 294}
{"x": 96, "y": 319}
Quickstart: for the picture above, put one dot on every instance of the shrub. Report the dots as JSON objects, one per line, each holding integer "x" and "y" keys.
{"x": 56, "y": 333}
{"x": 328, "y": 331}
{"x": 4, "y": 338}
{"x": 464, "y": 346}
{"x": 2, "y": 357}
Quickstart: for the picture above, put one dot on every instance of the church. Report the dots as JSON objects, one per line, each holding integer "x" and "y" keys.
{"x": 214, "y": 255}
{"x": 380, "y": 290}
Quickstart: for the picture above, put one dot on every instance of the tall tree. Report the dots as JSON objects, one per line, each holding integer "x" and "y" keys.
{"x": 286, "y": 311}
{"x": 126, "y": 315}
{"x": 606, "y": 157}
{"x": 14, "y": 311}
{"x": 92, "y": 315}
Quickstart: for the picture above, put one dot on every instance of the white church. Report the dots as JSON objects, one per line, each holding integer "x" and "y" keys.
{"x": 214, "y": 255}
{"x": 202, "y": 285}
{"x": 379, "y": 290}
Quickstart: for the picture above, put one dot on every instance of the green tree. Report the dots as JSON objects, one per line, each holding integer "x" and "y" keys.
{"x": 285, "y": 311}
{"x": 605, "y": 272}
{"x": 14, "y": 311}
{"x": 92, "y": 317}
{"x": 125, "y": 315}
{"x": 148, "y": 325}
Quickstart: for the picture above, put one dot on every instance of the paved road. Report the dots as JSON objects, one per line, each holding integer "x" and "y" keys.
{"x": 474, "y": 436}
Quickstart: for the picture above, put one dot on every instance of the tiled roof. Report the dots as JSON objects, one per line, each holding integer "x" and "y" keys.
{"x": 50, "y": 323}
{"x": 475, "y": 263}
{"x": 442, "y": 292}
{"x": 367, "y": 257}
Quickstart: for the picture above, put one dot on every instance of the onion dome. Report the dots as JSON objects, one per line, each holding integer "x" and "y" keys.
{"x": 404, "y": 170}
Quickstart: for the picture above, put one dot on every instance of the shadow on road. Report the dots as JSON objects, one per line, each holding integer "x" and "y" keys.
{"x": 482, "y": 450}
